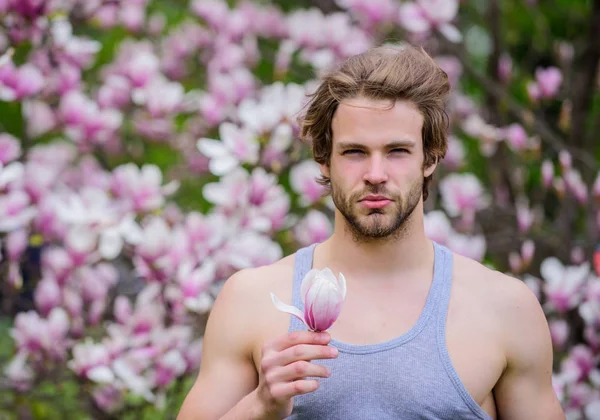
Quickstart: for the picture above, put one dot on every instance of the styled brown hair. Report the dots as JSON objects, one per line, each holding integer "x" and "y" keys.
{"x": 382, "y": 73}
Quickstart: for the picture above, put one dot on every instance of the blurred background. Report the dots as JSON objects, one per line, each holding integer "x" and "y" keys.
{"x": 149, "y": 149}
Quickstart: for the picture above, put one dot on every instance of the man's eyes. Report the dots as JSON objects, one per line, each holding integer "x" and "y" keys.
{"x": 357, "y": 151}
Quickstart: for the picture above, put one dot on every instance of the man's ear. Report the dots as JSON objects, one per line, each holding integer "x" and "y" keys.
{"x": 431, "y": 168}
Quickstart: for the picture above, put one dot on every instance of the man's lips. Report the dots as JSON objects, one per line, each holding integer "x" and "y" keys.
{"x": 372, "y": 201}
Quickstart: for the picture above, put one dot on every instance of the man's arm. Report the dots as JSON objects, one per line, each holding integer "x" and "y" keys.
{"x": 227, "y": 373}
{"x": 525, "y": 389}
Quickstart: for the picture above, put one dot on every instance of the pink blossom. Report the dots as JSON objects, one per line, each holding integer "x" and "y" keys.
{"x": 18, "y": 83}
{"x": 19, "y": 373}
{"x": 92, "y": 361}
{"x": 47, "y": 295}
{"x": 86, "y": 123}
{"x": 438, "y": 227}
{"x": 575, "y": 184}
{"x": 15, "y": 211}
{"x": 39, "y": 117}
{"x": 214, "y": 12}
{"x": 315, "y": 227}
{"x": 109, "y": 398}
{"x": 473, "y": 247}
{"x": 563, "y": 285}
{"x": 462, "y": 193}
{"x": 160, "y": 97}
{"x": 132, "y": 16}
{"x": 168, "y": 367}
{"x": 559, "y": 330}
{"x": 517, "y": 137}
{"x": 10, "y": 174}
{"x": 303, "y": 180}
{"x": 453, "y": 68}
{"x": 422, "y": 16}
{"x": 525, "y": 216}
{"x": 547, "y": 173}
{"x": 10, "y": 148}
{"x": 372, "y": 12}
{"x": 237, "y": 146}
{"x": 455, "y": 155}
{"x": 580, "y": 363}
{"x": 42, "y": 336}
{"x": 323, "y": 294}
{"x": 547, "y": 83}
{"x": 115, "y": 92}
{"x": 141, "y": 187}
{"x": 505, "y": 68}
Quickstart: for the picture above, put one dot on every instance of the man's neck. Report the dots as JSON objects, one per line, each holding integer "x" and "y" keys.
{"x": 377, "y": 259}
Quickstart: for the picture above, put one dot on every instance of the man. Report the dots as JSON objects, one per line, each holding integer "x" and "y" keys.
{"x": 424, "y": 333}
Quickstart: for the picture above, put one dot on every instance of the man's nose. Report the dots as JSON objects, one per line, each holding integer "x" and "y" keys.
{"x": 376, "y": 172}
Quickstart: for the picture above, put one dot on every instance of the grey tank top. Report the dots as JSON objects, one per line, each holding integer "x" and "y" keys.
{"x": 409, "y": 377}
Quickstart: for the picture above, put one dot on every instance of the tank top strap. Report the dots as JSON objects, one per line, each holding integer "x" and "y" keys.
{"x": 446, "y": 258}
{"x": 303, "y": 261}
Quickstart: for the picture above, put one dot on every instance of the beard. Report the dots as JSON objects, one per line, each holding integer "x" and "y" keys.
{"x": 389, "y": 222}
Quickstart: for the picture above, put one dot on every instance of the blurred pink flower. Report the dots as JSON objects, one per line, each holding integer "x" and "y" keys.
{"x": 214, "y": 12}
{"x": 10, "y": 149}
{"x": 86, "y": 122}
{"x": 559, "y": 331}
{"x": 141, "y": 187}
{"x": 563, "y": 285}
{"x": 47, "y": 295}
{"x": 473, "y": 247}
{"x": 15, "y": 211}
{"x": 11, "y": 173}
{"x": 39, "y": 117}
{"x": 160, "y": 97}
{"x": 40, "y": 336}
{"x": 18, "y": 83}
{"x": 455, "y": 155}
{"x": 18, "y": 372}
{"x": 303, "y": 180}
{"x": 371, "y": 12}
{"x": 438, "y": 227}
{"x": 462, "y": 193}
{"x": 237, "y": 146}
{"x": 109, "y": 398}
{"x": 547, "y": 173}
{"x": 517, "y": 137}
{"x": 505, "y": 68}
{"x": 315, "y": 227}
{"x": 453, "y": 68}
{"x": 168, "y": 367}
{"x": 547, "y": 83}
{"x": 422, "y": 16}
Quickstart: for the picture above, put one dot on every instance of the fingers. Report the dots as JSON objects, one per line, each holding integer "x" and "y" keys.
{"x": 297, "y": 337}
{"x": 305, "y": 352}
{"x": 294, "y": 371}
{"x": 287, "y": 390}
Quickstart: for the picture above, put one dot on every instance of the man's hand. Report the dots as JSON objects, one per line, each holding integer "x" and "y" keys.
{"x": 285, "y": 365}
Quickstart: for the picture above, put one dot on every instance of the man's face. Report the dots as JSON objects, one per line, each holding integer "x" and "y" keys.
{"x": 376, "y": 167}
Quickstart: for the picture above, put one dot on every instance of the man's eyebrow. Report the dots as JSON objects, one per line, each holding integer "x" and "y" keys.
{"x": 392, "y": 145}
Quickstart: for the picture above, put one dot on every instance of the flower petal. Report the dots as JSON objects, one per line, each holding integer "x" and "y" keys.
{"x": 307, "y": 282}
{"x": 101, "y": 374}
{"x": 451, "y": 32}
{"x": 289, "y": 309}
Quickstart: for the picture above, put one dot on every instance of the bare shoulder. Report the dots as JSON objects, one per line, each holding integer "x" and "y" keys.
{"x": 517, "y": 316}
{"x": 244, "y": 302}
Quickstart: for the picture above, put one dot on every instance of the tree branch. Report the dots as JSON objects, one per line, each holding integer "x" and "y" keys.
{"x": 584, "y": 78}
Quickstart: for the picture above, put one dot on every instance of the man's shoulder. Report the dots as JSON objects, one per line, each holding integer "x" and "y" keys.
{"x": 249, "y": 288}
{"x": 510, "y": 303}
